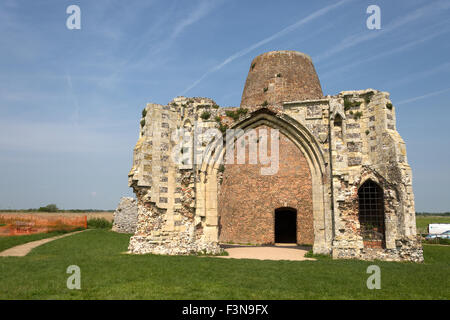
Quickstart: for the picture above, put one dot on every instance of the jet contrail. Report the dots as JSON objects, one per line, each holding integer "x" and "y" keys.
{"x": 286, "y": 30}
{"x": 435, "y": 93}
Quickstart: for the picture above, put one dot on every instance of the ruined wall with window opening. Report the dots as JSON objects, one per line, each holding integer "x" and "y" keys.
{"x": 338, "y": 143}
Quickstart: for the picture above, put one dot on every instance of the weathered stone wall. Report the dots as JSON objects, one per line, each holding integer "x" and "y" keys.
{"x": 341, "y": 141}
{"x": 248, "y": 199}
{"x": 125, "y": 216}
{"x": 366, "y": 145}
{"x": 165, "y": 189}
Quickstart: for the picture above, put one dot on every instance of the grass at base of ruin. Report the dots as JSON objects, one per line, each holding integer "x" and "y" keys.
{"x": 107, "y": 273}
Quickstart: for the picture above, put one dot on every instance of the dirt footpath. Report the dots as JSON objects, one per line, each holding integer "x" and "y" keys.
{"x": 23, "y": 249}
{"x": 278, "y": 252}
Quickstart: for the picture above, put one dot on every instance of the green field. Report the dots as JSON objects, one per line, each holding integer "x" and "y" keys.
{"x": 422, "y": 222}
{"x": 107, "y": 273}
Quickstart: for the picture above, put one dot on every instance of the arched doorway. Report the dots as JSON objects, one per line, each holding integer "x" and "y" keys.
{"x": 285, "y": 225}
{"x": 213, "y": 183}
{"x": 247, "y": 199}
{"x": 371, "y": 214}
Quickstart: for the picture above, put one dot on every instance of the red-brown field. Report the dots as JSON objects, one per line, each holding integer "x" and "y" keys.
{"x": 17, "y": 223}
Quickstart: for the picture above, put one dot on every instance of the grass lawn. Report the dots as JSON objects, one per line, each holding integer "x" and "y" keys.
{"x": 423, "y": 221}
{"x": 108, "y": 274}
{"x": 12, "y": 241}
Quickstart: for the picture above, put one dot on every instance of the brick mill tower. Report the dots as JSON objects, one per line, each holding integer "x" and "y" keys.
{"x": 335, "y": 176}
{"x": 280, "y": 76}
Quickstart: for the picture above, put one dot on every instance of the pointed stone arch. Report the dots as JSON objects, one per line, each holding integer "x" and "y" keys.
{"x": 207, "y": 204}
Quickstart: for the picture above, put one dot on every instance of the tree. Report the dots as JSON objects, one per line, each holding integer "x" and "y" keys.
{"x": 49, "y": 208}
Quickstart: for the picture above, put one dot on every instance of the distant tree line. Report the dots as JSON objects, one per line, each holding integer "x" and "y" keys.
{"x": 433, "y": 213}
{"x": 49, "y": 208}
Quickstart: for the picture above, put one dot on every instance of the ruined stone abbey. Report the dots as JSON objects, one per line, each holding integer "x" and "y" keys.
{"x": 341, "y": 182}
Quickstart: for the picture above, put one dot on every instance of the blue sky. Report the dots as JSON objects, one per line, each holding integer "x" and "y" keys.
{"x": 70, "y": 100}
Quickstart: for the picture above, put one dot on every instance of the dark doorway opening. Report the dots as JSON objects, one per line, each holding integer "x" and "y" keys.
{"x": 285, "y": 225}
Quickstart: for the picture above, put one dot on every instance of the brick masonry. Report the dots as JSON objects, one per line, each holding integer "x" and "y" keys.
{"x": 280, "y": 76}
{"x": 330, "y": 145}
{"x": 248, "y": 199}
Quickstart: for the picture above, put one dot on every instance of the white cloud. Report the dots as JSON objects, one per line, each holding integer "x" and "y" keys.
{"x": 144, "y": 56}
{"x": 76, "y": 112}
{"x": 195, "y": 15}
{"x": 361, "y": 37}
{"x": 61, "y": 137}
{"x": 431, "y": 94}
{"x": 444, "y": 67}
{"x": 277, "y": 35}
{"x": 401, "y": 48}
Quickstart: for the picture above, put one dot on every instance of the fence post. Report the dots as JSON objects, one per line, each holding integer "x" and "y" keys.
{"x": 85, "y": 222}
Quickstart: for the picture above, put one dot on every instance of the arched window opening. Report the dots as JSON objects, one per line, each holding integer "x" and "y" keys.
{"x": 337, "y": 126}
{"x": 337, "y": 120}
{"x": 371, "y": 214}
